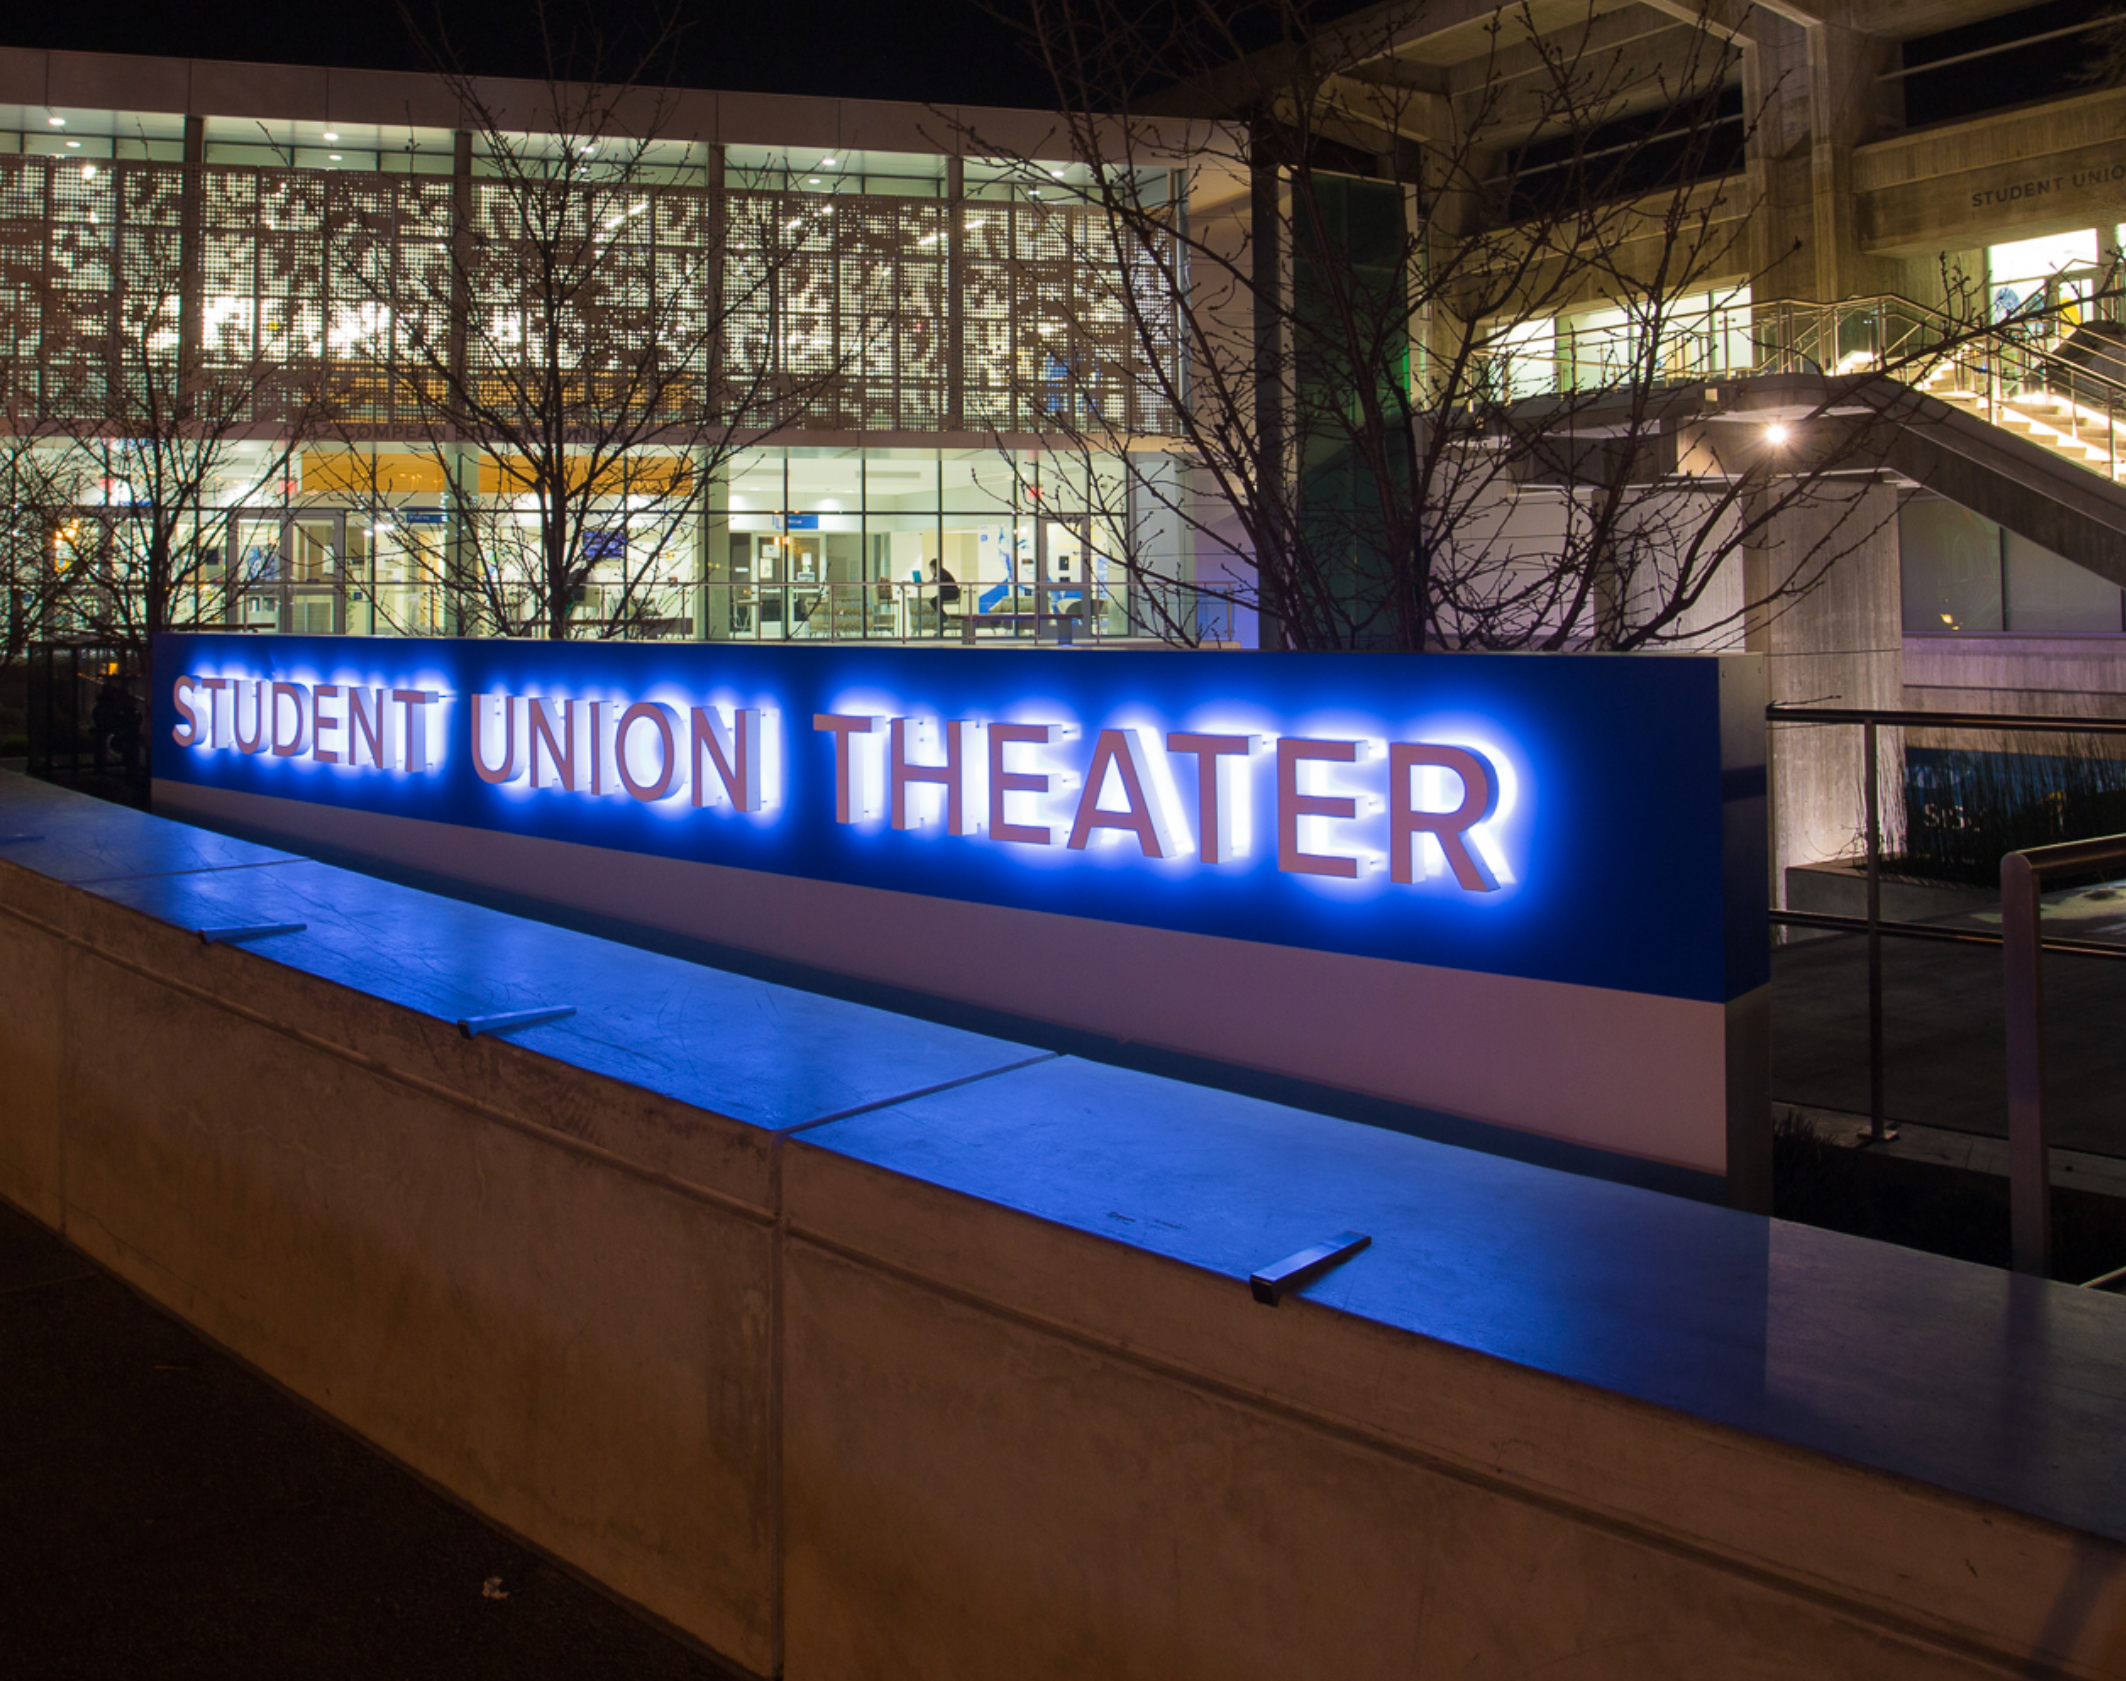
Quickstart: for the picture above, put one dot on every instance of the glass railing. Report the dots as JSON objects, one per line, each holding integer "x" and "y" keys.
{"x": 2050, "y": 374}
{"x": 1061, "y": 612}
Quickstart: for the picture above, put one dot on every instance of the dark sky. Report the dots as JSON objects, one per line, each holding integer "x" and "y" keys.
{"x": 933, "y": 50}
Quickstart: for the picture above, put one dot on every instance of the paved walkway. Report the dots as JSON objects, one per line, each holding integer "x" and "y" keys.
{"x": 165, "y": 1513}
{"x": 1945, "y": 1038}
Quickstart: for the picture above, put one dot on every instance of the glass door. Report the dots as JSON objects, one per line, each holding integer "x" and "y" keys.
{"x": 287, "y": 573}
{"x": 806, "y": 561}
{"x": 314, "y": 546}
{"x": 257, "y": 574}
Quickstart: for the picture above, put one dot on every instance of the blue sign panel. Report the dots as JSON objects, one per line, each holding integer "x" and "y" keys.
{"x": 1550, "y": 817}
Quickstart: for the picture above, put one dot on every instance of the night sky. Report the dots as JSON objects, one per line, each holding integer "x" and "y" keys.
{"x": 932, "y": 50}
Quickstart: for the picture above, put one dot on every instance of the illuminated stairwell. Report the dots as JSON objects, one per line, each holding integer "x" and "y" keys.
{"x": 2065, "y": 423}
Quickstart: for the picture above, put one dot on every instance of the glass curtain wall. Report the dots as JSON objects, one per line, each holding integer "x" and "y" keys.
{"x": 844, "y": 544}
{"x": 800, "y": 543}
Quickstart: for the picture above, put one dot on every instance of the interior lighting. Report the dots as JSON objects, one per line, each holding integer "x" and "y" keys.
{"x": 827, "y": 163}
{"x": 332, "y": 157}
{"x": 1776, "y": 433}
{"x": 812, "y": 180}
{"x": 73, "y": 145}
{"x": 1057, "y": 173}
{"x": 56, "y": 122}
{"x": 330, "y": 136}
{"x": 88, "y": 172}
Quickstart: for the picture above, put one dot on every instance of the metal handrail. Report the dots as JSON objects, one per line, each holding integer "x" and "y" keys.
{"x": 1835, "y": 923}
{"x": 1870, "y": 719}
{"x": 2009, "y": 370}
{"x": 2023, "y": 972}
{"x": 1787, "y": 712}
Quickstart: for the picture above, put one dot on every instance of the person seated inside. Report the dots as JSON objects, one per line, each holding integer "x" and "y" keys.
{"x": 944, "y": 594}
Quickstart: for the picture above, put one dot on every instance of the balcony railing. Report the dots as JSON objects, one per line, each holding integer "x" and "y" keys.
{"x": 2050, "y": 375}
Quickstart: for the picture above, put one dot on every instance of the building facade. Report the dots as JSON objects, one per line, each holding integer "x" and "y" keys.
{"x": 851, "y": 434}
{"x": 928, "y": 405}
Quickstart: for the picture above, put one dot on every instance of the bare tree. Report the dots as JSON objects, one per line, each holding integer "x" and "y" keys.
{"x": 159, "y": 424}
{"x": 1466, "y": 361}
{"x": 563, "y": 331}
{"x": 44, "y": 486}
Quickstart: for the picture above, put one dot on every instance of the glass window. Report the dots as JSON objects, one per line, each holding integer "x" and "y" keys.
{"x": 900, "y": 481}
{"x": 1950, "y": 559}
{"x": 2038, "y": 259}
{"x": 2020, "y": 270}
{"x": 756, "y": 483}
{"x": 2048, "y": 595}
{"x": 1964, "y": 574}
{"x": 984, "y": 481}
{"x": 1525, "y": 356}
{"x": 826, "y": 481}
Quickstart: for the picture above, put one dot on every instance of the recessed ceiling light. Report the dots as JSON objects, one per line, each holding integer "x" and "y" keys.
{"x": 826, "y": 163}
{"x": 1057, "y": 173}
{"x": 56, "y": 122}
{"x": 812, "y": 180}
{"x": 73, "y": 145}
{"x": 329, "y": 135}
{"x": 332, "y": 157}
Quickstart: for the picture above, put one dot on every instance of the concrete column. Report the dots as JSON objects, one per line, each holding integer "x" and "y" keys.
{"x": 1845, "y": 110}
{"x": 712, "y": 614}
{"x": 1775, "y": 93}
{"x": 1842, "y": 644}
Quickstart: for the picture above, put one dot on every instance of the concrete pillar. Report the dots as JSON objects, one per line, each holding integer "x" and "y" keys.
{"x": 1811, "y": 94}
{"x": 712, "y": 550}
{"x": 1841, "y": 644}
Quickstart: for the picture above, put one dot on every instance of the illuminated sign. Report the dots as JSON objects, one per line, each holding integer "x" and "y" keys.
{"x": 1553, "y": 817}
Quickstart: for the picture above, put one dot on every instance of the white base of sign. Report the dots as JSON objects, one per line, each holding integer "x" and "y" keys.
{"x": 1629, "y": 1072}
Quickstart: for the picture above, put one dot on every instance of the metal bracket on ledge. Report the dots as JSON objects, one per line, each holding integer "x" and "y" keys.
{"x": 510, "y": 1020}
{"x": 1295, "y": 1272}
{"x": 238, "y": 931}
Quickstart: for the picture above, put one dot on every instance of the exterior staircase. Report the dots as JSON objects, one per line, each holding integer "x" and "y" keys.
{"x": 2076, "y": 424}
{"x": 2022, "y": 421}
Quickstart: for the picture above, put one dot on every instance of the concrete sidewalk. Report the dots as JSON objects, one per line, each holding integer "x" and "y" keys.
{"x": 165, "y": 1512}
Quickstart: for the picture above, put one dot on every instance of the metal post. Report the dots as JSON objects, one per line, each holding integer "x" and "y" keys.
{"x": 1878, "y": 1128}
{"x": 2029, "y": 1166}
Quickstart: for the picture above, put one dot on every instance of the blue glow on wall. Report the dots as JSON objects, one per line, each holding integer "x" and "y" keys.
{"x": 1549, "y": 817}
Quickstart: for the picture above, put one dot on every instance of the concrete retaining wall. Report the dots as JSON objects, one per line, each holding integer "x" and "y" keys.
{"x": 938, "y": 1359}
{"x": 549, "y": 1294}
